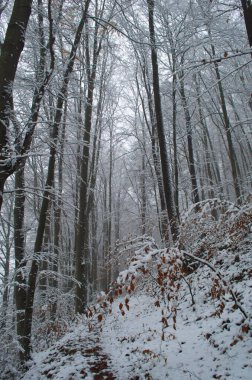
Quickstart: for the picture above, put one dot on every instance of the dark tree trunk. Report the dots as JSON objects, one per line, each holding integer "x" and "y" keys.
{"x": 247, "y": 11}
{"x": 94, "y": 250}
{"x": 174, "y": 138}
{"x": 227, "y": 127}
{"x": 109, "y": 219}
{"x": 191, "y": 160}
{"x": 6, "y": 261}
{"x": 57, "y": 215}
{"x": 82, "y": 252}
{"x": 143, "y": 193}
{"x": 48, "y": 187}
{"x": 163, "y": 225}
{"x": 10, "y": 53}
{"x": 160, "y": 128}
{"x": 9, "y": 57}
{"x": 20, "y": 262}
{"x": 82, "y": 266}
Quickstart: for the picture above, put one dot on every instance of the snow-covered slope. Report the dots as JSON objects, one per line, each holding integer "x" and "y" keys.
{"x": 160, "y": 321}
{"x": 137, "y": 345}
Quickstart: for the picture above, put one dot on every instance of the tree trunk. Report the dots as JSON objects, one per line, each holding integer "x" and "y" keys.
{"x": 48, "y": 187}
{"x": 163, "y": 222}
{"x": 160, "y": 128}
{"x": 82, "y": 265}
{"x": 143, "y": 194}
{"x": 58, "y": 204}
{"x": 20, "y": 262}
{"x": 247, "y": 11}
{"x": 191, "y": 161}
{"x": 10, "y": 54}
{"x": 207, "y": 155}
{"x": 174, "y": 138}
{"x": 12, "y": 48}
{"x": 227, "y": 127}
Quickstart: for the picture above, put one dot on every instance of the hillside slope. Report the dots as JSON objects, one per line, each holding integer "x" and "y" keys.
{"x": 165, "y": 320}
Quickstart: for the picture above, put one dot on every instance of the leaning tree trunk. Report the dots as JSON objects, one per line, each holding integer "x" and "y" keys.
{"x": 9, "y": 58}
{"x": 171, "y": 211}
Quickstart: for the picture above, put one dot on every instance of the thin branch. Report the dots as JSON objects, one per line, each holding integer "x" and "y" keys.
{"x": 204, "y": 262}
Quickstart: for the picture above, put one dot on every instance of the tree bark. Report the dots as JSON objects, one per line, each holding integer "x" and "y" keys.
{"x": 191, "y": 160}
{"x": 10, "y": 53}
{"x": 163, "y": 220}
{"x": 227, "y": 127}
{"x": 82, "y": 266}
{"x": 247, "y": 11}
{"x": 20, "y": 262}
{"x": 160, "y": 128}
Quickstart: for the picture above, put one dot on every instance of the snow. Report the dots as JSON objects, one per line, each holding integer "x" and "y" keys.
{"x": 158, "y": 322}
{"x": 73, "y": 357}
{"x": 136, "y": 348}
{"x": 138, "y": 345}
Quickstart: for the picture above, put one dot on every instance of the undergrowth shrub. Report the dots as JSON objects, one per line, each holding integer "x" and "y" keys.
{"x": 210, "y": 227}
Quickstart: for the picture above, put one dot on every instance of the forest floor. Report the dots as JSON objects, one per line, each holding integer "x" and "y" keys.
{"x": 201, "y": 345}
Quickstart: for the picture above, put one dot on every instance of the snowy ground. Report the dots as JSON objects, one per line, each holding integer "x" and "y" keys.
{"x": 139, "y": 336}
{"x": 131, "y": 346}
{"x": 77, "y": 356}
{"x": 198, "y": 349}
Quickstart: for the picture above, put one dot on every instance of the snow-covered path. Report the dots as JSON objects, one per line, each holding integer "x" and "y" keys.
{"x": 77, "y": 356}
{"x": 131, "y": 342}
{"x": 130, "y": 347}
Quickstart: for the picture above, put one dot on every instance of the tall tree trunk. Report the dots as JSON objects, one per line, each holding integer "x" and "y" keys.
{"x": 160, "y": 128}
{"x": 12, "y": 48}
{"x": 9, "y": 57}
{"x": 207, "y": 155}
{"x": 117, "y": 232}
{"x": 191, "y": 161}
{"x": 48, "y": 187}
{"x": 94, "y": 250}
{"x": 227, "y": 127}
{"x": 143, "y": 194}
{"x": 163, "y": 222}
{"x": 82, "y": 265}
{"x": 20, "y": 262}
{"x": 174, "y": 138}
{"x": 105, "y": 238}
{"x": 5, "y": 261}
{"x": 110, "y": 205}
{"x": 58, "y": 204}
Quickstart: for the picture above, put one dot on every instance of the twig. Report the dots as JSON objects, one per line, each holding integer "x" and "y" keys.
{"x": 204, "y": 262}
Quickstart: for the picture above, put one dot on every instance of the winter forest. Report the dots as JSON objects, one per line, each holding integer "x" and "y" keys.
{"x": 125, "y": 189}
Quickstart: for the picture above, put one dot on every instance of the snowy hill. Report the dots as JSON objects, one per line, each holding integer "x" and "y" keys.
{"x": 163, "y": 321}
{"x": 144, "y": 343}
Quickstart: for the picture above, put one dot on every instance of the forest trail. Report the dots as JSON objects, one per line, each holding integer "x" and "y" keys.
{"x": 73, "y": 358}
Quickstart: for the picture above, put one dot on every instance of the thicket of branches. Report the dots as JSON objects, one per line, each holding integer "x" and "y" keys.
{"x": 116, "y": 118}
